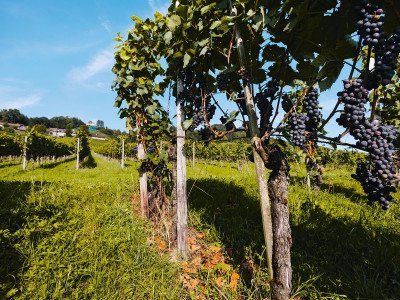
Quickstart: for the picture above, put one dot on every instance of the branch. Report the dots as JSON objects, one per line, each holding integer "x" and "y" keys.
{"x": 277, "y": 107}
{"x": 374, "y": 105}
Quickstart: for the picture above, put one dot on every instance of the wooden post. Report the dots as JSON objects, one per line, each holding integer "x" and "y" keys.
{"x": 123, "y": 154}
{"x": 181, "y": 200}
{"x": 24, "y": 156}
{"x": 193, "y": 153}
{"x": 77, "y": 153}
{"x": 144, "y": 198}
{"x": 258, "y": 162}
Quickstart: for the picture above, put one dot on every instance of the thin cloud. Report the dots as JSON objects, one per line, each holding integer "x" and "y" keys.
{"x": 106, "y": 24}
{"x": 100, "y": 63}
{"x": 159, "y": 5}
{"x": 20, "y": 102}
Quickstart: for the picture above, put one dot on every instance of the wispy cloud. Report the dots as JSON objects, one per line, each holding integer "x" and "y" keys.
{"x": 100, "y": 63}
{"x": 106, "y": 24}
{"x": 159, "y": 5}
{"x": 18, "y": 97}
{"x": 21, "y": 102}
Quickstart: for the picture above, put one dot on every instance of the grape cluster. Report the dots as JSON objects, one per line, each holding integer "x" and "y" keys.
{"x": 376, "y": 189}
{"x": 206, "y": 135}
{"x": 297, "y": 129}
{"x": 311, "y": 107}
{"x": 198, "y": 114}
{"x": 373, "y": 137}
{"x": 228, "y": 125}
{"x": 287, "y": 103}
{"x": 370, "y": 23}
{"x": 354, "y": 97}
{"x": 225, "y": 81}
{"x": 386, "y": 58}
{"x": 263, "y": 101}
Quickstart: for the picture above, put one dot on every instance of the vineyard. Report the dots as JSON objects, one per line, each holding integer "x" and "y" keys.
{"x": 251, "y": 186}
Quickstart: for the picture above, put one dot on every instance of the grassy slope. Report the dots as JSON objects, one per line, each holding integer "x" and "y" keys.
{"x": 81, "y": 241}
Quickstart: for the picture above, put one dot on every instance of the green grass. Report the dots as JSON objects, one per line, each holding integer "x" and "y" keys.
{"x": 71, "y": 234}
{"x": 67, "y": 234}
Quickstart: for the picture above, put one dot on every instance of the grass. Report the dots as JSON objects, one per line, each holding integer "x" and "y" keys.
{"x": 68, "y": 234}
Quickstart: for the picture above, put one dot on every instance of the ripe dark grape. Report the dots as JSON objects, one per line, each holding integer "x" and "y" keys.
{"x": 386, "y": 58}
{"x": 226, "y": 81}
{"x": 313, "y": 111}
{"x": 263, "y": 101}
{"x": 228, "y": 125}
{"x": 376, "y": 189}
{"x": 287, "y": 103}
{"x": 297, "y": 129}
{"x": 370, "y": 23}
{"x": 206, "y": 135}
{"x": 373, "y": 137}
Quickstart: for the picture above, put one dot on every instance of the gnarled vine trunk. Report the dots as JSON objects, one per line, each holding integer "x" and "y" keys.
{"x": 278, "y": 191}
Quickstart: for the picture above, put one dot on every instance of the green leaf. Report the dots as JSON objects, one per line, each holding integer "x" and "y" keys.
{"x": 173, "y": 22}
{"x": 168, "y": 37}
{"x": 215, "y": 24}
{"x": 207, "y": 8}
{"x": 186, "y": 60}
{"x": 187, "y": 123}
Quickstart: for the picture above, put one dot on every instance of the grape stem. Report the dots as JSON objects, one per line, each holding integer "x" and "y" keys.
{"x": 217, "y": 104}
{"x": 277, "y": 106}
{"x": 374, "y": 105}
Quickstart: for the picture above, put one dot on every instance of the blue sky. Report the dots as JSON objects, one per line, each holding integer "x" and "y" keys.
{"x": 56, "y": 57}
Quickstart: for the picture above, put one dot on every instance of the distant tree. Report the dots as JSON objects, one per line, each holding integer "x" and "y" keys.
{"x": 13, "y": 116}
{"x": 100, "y": 124}
{"x": 38, "y": 128}
{"x": 68, "y": 131}
{"x": 62, "y": 122}
{"x": 40, "y": 121}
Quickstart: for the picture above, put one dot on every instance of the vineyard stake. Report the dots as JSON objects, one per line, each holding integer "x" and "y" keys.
{"x": 181, "y": 201}
{"x": 258, "y": 162}
{"x": 144, "y": 200}
{"x": 123, "y": 154}
{"x": 77, "y": 153}
{"x": 24, "y": 153}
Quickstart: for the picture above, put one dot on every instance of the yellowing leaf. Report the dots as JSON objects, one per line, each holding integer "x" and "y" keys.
{"x": 234, "y": 281}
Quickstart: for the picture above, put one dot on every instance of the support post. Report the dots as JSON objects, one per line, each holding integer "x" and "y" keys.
{"x": 77, "y": 153}
{"x": 258, "y": 162}
{"x": 144, "y": 198}
{"x": 24, "y": 154}
{"x": 181, "y": 199}
{"x": 193, "y": 153}
{"x": 123, "y": 154}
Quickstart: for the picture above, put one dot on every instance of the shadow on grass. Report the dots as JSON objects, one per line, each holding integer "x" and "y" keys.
{"x": 14, "y": 211}
{"x": 57, "y": 163}
{"x": 350, "y": 258}
{"x": 9, "y": 164}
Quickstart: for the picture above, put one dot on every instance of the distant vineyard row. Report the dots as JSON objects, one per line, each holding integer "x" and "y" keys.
{"x": 37, "y": 145}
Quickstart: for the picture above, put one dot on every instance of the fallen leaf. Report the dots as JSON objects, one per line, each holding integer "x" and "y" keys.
{"x": 234, "y": 281}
